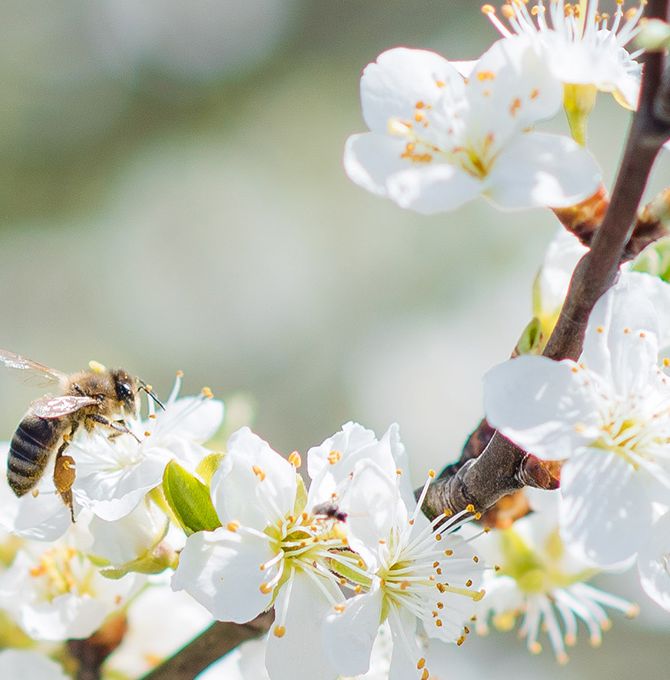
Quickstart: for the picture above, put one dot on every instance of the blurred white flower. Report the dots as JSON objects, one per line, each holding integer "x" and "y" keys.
{"x": 553, "y": 279}
{"x": 54, "y": 592}
{"x": 152, "y": 636}
{"x": 539, "y": 580}
{"x": 438, "y": 140}
{"x": 581, "y": 44}
{"x": 608, "y": 415}
{"x": 16, "y": 664}
{"x": 131, "y": 538}
{"x": 114, "y": 475}
{"x": 654, "y": 562}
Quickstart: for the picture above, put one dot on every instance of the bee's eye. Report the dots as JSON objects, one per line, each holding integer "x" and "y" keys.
{"x": 124, "y": 391}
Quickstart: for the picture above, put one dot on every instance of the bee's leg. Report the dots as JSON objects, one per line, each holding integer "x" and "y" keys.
{"x": 121, "y": 429}
{"x": 64, "y": 473}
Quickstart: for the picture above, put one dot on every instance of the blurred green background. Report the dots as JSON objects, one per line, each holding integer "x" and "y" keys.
{"x": 173, "y": 197}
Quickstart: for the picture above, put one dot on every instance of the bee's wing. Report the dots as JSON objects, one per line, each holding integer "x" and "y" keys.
{"x": 45, "y": 374}
{"x": 55, "y": 407}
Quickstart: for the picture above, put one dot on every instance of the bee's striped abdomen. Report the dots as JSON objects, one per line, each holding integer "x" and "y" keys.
{"x": 30, "y": 449}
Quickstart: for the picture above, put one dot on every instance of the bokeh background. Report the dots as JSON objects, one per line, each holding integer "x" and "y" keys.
{"x": 172, "y": 197}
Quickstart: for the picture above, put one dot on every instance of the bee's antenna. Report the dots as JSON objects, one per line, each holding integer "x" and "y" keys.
{"x": 150, "y": 393}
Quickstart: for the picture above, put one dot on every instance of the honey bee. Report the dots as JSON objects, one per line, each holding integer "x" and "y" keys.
{"x": 98, "y": 397}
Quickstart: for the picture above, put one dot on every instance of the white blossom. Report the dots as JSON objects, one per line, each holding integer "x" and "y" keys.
{"x": 271, "y": 550}
{"x": 538, "y": 582}
{"x": 608, "y": 416}
{"x": 419, "y": 576}
{"x": 54, "y": 591}
{"x": 580, "y": 44}
{"x": 438, "y": 140}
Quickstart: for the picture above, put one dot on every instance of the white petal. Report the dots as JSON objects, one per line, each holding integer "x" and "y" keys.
{"x": 350, "y": 635}
{"x": 654, "y": 563}
{"x": 130, "y": 537}
{"x": 432, "y": 188}
{"x": 221, "y": 571}
{"x": 606, "y": 513}
{"x": 538, "y": 169}
{"x": 348, "y": 442}
{"x": 406, "y": 652}
{"x": 401, "y": 77}
{"x": 193, "y": 418}
{"x": 370, "y": 159}
{"x": 560, "y": 260}
{"x": 511, "y": 88}
{"x": 114, "y": 475}
{"x": 17, "y": 664}
{"x": 299, "y": 654}
{"x": 372, "y": 503}
{"x": 253, "y": 485}
{"x": 613, "y": 347}
{"x": 538, "y": 404}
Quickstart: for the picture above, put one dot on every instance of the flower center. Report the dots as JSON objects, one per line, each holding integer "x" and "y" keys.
{"x": 536, "y": 572}
{"x": 60, "y": 571}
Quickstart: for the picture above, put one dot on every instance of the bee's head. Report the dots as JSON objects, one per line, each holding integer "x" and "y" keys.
{"x": 127, "y": 390}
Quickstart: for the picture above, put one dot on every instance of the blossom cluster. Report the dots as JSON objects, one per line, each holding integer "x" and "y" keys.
{"x": 165, "y": 509}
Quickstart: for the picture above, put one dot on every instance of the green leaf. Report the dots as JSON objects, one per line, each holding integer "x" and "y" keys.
{"x": 189, "y": 500}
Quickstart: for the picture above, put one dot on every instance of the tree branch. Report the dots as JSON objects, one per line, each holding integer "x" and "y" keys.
{"x": 502, "y": 468}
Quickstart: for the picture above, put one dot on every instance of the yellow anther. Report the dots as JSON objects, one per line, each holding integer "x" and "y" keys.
{"x": 266, "y": 589}
{"x": 431, "y": 474}
{"x": 180, "y": 374}
{"x": 535, "y": 648}
{"x": 334, "y": 457}
{"x": 339, "y": 608}
{"x": 425, "y": 675}
{"x": 470, "y": 508}
{"x": 207, "y": 393}
{"x": 633, "y": 611}
{"x": 147, "y": 433}
{"x": 486, "y": 75}
{"x": 295, "y": 459}
{"x": 449, "y": 553}
{"x": 468, "y": 583}
{"x": 420, "y": 663}
{"x": 233, "y": 526}
{"x": 488, "y": 9}
{"x": 258, "y": 472}
{"x": 279, "y": 631}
